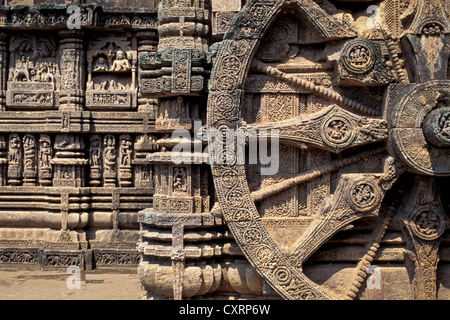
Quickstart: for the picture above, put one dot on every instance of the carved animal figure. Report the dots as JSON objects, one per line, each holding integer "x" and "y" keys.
{"x": 22, "y": 70}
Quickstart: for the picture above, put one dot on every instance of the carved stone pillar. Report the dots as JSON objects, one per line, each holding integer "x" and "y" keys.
{"x": 183, "y": 24}
{"x": 72, "y": 67}
{"x": 180, "y": 66}
{"x": 3, "y": 69}
{"x": 176, "y": 75}
{"x": 180, "y": 188}
{"x": 184, "y": 275}
{"x": 147, "y": 43}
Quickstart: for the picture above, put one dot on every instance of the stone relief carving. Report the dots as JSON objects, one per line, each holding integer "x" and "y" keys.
{"x": 45, "y": 157}
{"x": 15, "y": 160}
{"x": 87, "y": 116}
{"x": 33, "y": 79}
{"x": 351, "y": 195}
{"x": 112, "y": 74}
{"x": 50, "y": 154}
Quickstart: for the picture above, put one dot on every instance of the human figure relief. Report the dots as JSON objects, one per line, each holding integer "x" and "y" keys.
{"x": 23, "y": 70}
{"x": 14, "y": 155}
{"x": 95, "y": 153}
{"x": 125, "y": 151}
{"x": 101, "y": 64}
{"x": 110, "y": 153}
{"x": 179, "y": 183}
{"x": 45, "y": 153}
{"x": 121, "y": 63}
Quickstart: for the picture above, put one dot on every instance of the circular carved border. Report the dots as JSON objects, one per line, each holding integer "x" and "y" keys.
{"x": 428, "y": 224}
{"x": 337, "y": 131}
{"x": 358, "y": 57}
{"x": 364, "y": 195}
{"x": 226, "y": 90}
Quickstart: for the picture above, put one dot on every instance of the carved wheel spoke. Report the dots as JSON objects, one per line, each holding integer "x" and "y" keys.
{"x": 339, "y": 130}
{"x": 309, "y": 176}
{"x": 357, "y": 196}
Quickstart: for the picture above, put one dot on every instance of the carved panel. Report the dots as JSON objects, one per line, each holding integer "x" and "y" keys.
{"x": 73, "y": 143}
{"x": 112, "y": 74}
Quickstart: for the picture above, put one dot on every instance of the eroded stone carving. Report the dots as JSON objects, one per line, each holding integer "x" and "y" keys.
{"x": 354, "y": 194}
{"x": 86, "y": 118}
{"x": 34, "y": 73}
{"x": 112, "y": 74}
{"x": 52, "y": 151}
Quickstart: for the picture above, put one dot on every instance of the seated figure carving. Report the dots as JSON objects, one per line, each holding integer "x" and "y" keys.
{"x": 121, "y": 63}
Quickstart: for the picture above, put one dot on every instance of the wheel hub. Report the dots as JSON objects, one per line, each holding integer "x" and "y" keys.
{"x": 436, "y": 127}
{"x": 419, "y": 125}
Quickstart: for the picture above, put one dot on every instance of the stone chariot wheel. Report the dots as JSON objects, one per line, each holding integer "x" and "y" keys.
{"x": 349, "y": 126}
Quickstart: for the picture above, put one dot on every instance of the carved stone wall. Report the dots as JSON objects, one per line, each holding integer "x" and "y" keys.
{"x": 74, "y": 135}
{"x": 358, "y": 92}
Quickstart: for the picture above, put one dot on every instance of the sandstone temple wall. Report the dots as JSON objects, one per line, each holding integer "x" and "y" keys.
{"x": 92, "y": 100}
